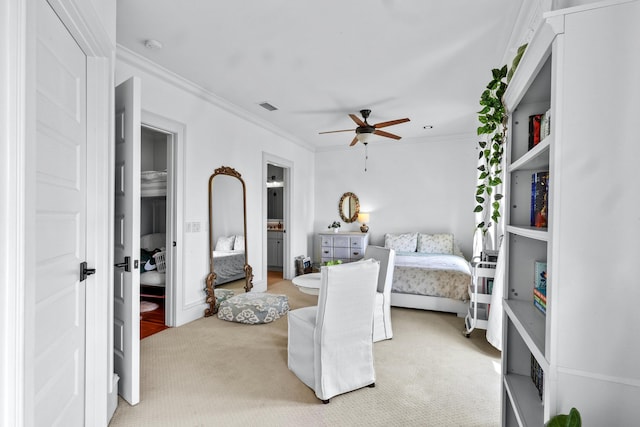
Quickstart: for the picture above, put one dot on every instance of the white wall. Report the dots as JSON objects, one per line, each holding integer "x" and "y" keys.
{"x": 424, "y": 186}
{"x": 217, "y": 137}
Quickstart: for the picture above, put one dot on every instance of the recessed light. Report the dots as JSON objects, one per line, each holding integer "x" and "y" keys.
{"x": 427, "y": 127}
{"x": 152, "y": 44}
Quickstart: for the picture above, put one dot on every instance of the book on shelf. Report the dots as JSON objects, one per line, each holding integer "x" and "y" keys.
{"x": 534, "y": 130}
{"x": 540, "y": 286}
{"x": 545, "y": 125}
{"x": 537, "y": 375}
{"x": 539, "y": 198}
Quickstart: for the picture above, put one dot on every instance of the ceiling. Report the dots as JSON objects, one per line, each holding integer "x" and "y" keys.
{"x": 317, "y": 61}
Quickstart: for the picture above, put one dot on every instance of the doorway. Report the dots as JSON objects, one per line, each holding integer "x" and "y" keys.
{"x": 155, "y": 226}
{"x": 277, "y": 217}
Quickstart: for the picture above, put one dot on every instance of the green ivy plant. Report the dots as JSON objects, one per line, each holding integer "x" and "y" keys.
{"x": 493, "y": 125}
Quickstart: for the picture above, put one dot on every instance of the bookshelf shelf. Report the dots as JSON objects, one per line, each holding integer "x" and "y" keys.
{"x": 549, "y": 360}
{"x": 535, "y": 159}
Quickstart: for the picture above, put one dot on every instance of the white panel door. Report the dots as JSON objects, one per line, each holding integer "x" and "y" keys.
{"x": 55, "y": 392}
{"x": 126, "y": 330}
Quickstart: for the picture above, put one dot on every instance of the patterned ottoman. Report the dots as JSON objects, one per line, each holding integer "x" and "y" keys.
{"x": 222, "y": 295}
{"x": 253, "y": 308}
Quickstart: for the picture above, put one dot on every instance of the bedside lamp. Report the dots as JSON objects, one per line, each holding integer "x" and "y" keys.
{"x": 363, "y": 218}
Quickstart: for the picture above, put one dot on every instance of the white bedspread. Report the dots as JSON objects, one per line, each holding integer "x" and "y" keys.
{"x": 438, "y": 275}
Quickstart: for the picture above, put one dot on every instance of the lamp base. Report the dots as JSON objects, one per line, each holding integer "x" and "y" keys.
{"x": 364, "y": 228}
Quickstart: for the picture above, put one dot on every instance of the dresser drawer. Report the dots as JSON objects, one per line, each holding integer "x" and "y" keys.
{"x": 327, "y": 241}
{"x": 341, "y": 241}
{"x": 355, "y": 243}
{"x": 356, "y": 254}
{"x": 326, "y": 252}
{"x": 341, "y": 253}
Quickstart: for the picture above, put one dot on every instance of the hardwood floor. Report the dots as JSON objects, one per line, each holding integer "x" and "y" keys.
{"x": 152, "y": 322}
{"x": 273, "y": 277}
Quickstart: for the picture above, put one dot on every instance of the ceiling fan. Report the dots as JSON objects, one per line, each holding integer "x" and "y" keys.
{"x": 365, "y": 130}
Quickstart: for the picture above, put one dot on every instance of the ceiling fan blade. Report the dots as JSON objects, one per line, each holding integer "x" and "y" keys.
{"x": 357, "y": 120}
{"x": 390, "y": 123}
{"x": 387, "y": 134}
{"x": 334, "y": 131}
{"x": 354, "y": 142}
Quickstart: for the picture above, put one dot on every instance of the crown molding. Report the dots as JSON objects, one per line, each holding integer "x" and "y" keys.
{"x": 138, "y": 61}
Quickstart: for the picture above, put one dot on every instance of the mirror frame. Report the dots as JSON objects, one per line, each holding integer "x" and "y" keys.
{"x": 248, "y": 270}
{"x": 353, "y": 217}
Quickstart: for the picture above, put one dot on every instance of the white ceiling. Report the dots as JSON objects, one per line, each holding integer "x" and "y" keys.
{"x": 318, "y": 61}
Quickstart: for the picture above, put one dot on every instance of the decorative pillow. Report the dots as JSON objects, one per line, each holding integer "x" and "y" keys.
{"x": 225, "y": 243}
{"x": 406, "y": 242}
{"x": 238, "y": 244}
{"x": 435, "y": 243}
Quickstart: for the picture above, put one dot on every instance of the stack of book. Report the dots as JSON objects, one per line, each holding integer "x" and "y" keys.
{"x": 537, "y": 375}
{"x": 539, "y": 197}
{"x": 540, "y": 286}
{"x": 539, "y": 128}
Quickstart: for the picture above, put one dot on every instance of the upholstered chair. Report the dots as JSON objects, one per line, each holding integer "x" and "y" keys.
{"x": 330, "y": 345}
{"x": 382, "y": 313}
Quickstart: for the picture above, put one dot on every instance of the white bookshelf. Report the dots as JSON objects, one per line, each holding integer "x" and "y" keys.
{"x": 583, "y": 65}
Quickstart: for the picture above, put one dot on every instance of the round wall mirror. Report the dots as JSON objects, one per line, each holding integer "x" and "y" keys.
{"x": 349, "y": 207}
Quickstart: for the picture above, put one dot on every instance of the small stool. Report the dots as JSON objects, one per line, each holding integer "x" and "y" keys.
{"x": 222, "y": 295}
{"x": 254, "y": 308}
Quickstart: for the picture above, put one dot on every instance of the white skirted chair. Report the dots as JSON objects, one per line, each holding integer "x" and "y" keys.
{"x": 330, "y": 345}
{"x": 382, "y": 314}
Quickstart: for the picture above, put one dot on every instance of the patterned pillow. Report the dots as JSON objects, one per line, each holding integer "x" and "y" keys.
{"x": 401, "y": 242}
{"x": 225, "y": 243}
{"x": 253, "y": 308}
{"x": 238, "y": 244}
{"x": 435, "y": 243}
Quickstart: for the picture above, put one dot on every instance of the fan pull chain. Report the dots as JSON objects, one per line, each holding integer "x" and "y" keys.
{"x": 366, "y": 155}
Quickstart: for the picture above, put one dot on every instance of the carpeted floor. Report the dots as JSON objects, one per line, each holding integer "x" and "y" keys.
{"x": 216, "y": 373}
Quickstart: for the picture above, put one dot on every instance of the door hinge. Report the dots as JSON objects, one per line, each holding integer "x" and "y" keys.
{"x": 84, "y": 271}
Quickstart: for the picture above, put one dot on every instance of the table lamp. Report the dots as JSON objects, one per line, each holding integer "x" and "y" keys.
{"x": 363, "y": 218}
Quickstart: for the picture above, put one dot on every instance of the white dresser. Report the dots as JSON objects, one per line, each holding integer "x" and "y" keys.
{"x": 346, "y": 247}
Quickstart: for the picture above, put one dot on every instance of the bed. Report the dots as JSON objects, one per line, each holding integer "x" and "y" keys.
{"x": 430, "y": 273}
{"x": 229, "y": 259}
{"x": 153, "y": 183}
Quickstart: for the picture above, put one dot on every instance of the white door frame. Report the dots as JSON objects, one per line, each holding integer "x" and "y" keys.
{"x": 174, "y": 292}
{"x": 18, "y": 125}
{"x": 287, "y": 166}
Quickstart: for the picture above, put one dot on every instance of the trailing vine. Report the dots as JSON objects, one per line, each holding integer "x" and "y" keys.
{"x": 493, "y": 120}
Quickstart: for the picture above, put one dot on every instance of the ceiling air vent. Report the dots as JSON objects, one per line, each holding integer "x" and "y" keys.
{"x": 268, "y": 106}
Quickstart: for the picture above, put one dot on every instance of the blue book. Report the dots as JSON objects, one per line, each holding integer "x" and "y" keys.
{"x": 540, "y": 286}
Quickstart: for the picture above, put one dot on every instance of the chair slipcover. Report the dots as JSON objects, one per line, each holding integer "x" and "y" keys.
{"x": 330, "y": 345}
{"x": 382, "y": 314}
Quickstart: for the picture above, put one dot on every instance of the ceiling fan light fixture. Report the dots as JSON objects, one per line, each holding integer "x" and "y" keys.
{"x": 364, "y": 136}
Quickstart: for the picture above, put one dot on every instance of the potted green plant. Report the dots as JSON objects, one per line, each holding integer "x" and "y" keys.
{"x": 563, "y": 420}
{"x": 333, "y": 262}
{"x": 334, "y": 225}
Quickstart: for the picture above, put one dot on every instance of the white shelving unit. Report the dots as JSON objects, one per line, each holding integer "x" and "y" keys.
{"x": 583, "y": 65}
{"x": 479, "y": 296}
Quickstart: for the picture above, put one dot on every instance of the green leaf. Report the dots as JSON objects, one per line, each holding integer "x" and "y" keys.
{"x": 489, "y": 190}
{"x": 483, "y": 175}
{"x": 496, "y": 205}
{"x": 478, "y": 209}
{"x": 485, "y": 110}
{"x": 481, "y": 225}
{"x": 479, "y": 199}
{"x": 481, "y": 168}
{"x": 482, "y": 119}
{"x": 482, "y": 144}
{"x": 498, "y": 197}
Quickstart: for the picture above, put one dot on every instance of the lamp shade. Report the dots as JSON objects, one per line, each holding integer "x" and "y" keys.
{"x": 363, "y": 218}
